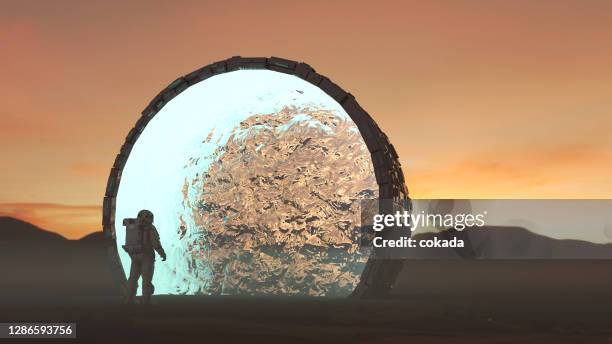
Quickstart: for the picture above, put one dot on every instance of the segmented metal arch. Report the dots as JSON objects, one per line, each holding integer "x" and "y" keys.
{"x": 379, "y": 274}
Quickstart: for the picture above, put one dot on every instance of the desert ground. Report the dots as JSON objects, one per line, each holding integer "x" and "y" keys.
{"x": 46, "y": 278}
{"x": 419, "y": 319}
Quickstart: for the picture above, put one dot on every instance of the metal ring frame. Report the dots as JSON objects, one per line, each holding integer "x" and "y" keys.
{"x": 379, "y": 275}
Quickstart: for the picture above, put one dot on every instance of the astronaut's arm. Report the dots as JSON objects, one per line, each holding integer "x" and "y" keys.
{"x": 157, "y": 245}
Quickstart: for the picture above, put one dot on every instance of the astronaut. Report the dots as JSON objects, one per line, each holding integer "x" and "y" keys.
{"x": 141, "y": 240}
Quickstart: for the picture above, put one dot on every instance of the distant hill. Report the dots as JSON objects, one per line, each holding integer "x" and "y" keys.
{"x": 35, "y": 262}
{"x": 504, "y": 261}
{"x": 12, "y": 229}
{"x": 95, "y": 238}
{"x": 491, "y": 242}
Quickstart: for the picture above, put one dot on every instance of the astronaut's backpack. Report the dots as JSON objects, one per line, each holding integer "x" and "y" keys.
{"x": 133, "y": 236}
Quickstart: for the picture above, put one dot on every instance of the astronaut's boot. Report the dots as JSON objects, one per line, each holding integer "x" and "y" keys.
{"x": 146, "y": 299}
{"x": 130, "y": 288}
{"x": 147, "y": 291}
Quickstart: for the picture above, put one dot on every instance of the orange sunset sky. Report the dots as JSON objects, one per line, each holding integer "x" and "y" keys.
{"x": 482, "y": 99}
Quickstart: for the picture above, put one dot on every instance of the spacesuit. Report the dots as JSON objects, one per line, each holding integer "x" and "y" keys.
{"x": 141, "y": 245}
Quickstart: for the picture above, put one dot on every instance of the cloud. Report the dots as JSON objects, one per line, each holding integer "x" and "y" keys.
{"x": 525, "y": 172}
{"x": 71, "y": 221}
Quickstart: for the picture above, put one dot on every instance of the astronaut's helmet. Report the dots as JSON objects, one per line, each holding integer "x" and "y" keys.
{"x": 145, "y": 217}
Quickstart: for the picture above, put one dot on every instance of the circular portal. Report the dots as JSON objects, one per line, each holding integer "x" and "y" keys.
{"x": 254, "y": 175}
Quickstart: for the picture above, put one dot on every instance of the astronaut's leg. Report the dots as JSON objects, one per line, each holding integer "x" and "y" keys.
{"x": 148, "y": 267}
{"x": 132, "y": 282}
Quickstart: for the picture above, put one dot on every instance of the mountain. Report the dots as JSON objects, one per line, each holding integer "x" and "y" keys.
{"x": 492, "y": 242}
{"x": 96, "y": 239}
{"x": 37, "y": 263}
{"x": 506, "y": 262}
{"x": 12, "y": 229}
